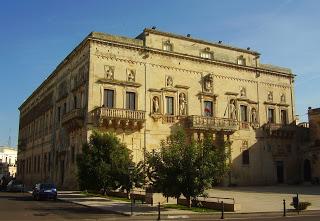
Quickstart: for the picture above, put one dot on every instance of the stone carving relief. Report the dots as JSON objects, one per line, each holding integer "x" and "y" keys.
{"x": 131, "y": 75}
{"x": 270, "y": 96}
{"x": 182, "y": 104}
{"x": 283, "y": 98}
{"x": 243, "y": 92}
{"x": 156, "y": 105}
{"x": 254, "y": 115}
{"x": 109, "y": 72}
{"x": 208, "y": 83}
{"x": 169, "y": 81}
{"x": 233, "y": 109}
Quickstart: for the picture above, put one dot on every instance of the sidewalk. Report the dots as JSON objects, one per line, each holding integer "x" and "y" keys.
{"x": 253, "y": 200}
{"x": 117, "y": 206}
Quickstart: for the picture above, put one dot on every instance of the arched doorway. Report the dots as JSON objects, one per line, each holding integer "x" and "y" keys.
{"x": 307, "y": 170}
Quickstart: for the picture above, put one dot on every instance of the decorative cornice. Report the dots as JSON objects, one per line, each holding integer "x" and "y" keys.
{"x": 246, "y": 100}
{"x": 118, "y": 82}
{"x": 231, "y": 93}
{"x": 269, "y": 103}
{"x": 182, "y": 87}
{"x": 170, "y": 89}
{"x": 154, "y": 90}
{"x": 283, "y": 105}
{"x": 192, "y": 57}
{"x": 207, "y": 94}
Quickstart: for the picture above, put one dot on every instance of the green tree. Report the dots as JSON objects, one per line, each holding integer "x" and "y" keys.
{"x": 106, "y": 163}
{"x": 183, "y": 166}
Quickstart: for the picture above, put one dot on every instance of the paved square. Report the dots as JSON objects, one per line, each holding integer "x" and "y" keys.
{"x": 269, "y": 198}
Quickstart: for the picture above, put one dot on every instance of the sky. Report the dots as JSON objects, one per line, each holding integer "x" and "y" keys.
{"x": 36, "y": 35}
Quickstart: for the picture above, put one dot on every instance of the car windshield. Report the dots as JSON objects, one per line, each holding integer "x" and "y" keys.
{"x": 47, "y": 186}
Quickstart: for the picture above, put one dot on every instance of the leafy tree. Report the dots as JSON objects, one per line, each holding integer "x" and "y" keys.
{"x": 106, "y": 163}
{"x": 186, "y": 167}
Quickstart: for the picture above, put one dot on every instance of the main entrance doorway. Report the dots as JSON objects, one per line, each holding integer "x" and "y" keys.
{"x": 280, "y": 172}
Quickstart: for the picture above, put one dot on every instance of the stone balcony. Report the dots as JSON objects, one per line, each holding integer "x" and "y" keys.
{"x": 279, "y": 130}
{"x": 73, "y": 119}
{"x": 118, "y": 118}
{"x": 195, "y": 122}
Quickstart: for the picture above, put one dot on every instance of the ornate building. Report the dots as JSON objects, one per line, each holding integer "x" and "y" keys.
{"x": 142, "y": 88}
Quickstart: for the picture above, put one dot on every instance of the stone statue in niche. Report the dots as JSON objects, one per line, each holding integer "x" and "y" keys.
{"x": 169, "y": 81}
{"x": 283, "y": 98}
{"x": 208, "y": 83}
{"x": 243, "y": 92}
{"x": 155, "y": 104}
{"x": 270, "y": 96}
{"x": 182, "y": 104}
{"x": 253, "y": 115}
{"x": 109, "y": 72}
{"x": 131, "y": 75}
{"x": 233, "y": 110}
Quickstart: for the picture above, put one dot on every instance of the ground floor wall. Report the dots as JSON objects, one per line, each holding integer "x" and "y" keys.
{"x": 254, "y": 159}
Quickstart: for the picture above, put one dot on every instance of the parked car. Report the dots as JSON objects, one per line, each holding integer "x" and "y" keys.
{"x": 15, "y": 186}
{"x": 44, "y": 191}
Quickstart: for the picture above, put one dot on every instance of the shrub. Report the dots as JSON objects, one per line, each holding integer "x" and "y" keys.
{"x": 302, "y": 205}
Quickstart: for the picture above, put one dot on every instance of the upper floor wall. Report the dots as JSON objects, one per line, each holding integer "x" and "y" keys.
{"x": 199, "y": 48}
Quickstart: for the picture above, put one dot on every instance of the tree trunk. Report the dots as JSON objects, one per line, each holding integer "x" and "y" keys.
{"x": 188, "y": 201}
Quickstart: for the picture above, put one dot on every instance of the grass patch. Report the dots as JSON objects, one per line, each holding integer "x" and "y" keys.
{"x": 193, "y": 209}
{"x": 106, "y": 196}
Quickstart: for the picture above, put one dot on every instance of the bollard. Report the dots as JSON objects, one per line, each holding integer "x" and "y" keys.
{"x": 131, "y": 208}
{"x": 158, "y": 211}
{"x": 222, "y": 210}
{"x": 284, "y": 207}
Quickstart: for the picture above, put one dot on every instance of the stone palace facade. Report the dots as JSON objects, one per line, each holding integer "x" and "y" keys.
{"x": 142, "y": 88}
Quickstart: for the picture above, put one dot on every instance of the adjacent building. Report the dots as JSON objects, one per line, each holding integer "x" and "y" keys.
{"x": 8, "y": 161}
{"x": 143, "y": 88}
{"x": 311, "y": 151}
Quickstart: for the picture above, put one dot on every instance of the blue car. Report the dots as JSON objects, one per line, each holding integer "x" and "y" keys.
{"x": 44, "y": 191}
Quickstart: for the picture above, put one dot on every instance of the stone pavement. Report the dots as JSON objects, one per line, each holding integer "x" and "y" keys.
{"x": 117, "y": 206}
{"x": 269, "y": 198}
{"x": 251, "y": 199}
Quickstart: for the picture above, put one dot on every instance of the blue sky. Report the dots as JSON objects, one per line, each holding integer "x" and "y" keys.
{"x": 37, "y": 35}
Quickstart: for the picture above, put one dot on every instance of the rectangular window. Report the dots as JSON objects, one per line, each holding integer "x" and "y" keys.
{"x": 271, "y": 118}
{"x": 170, "y": 107}
{"x": 208, "y": 109}
{"x": 108, "y": 100}
{"x": 241, "y": 61}
{"x": 72, "y": 154}
{"x": 207, "y": 55}
{"x": 75, "y": 102}
{"x": 283, "y": 115}
{"x": 64, "y": 108}
{"x": 58, "y": 114}
{"x": 244, "y": 113}
{"x": 167, "y": 46}
{"x": 131, "y": 100}
{"x": 245, "y": 157}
